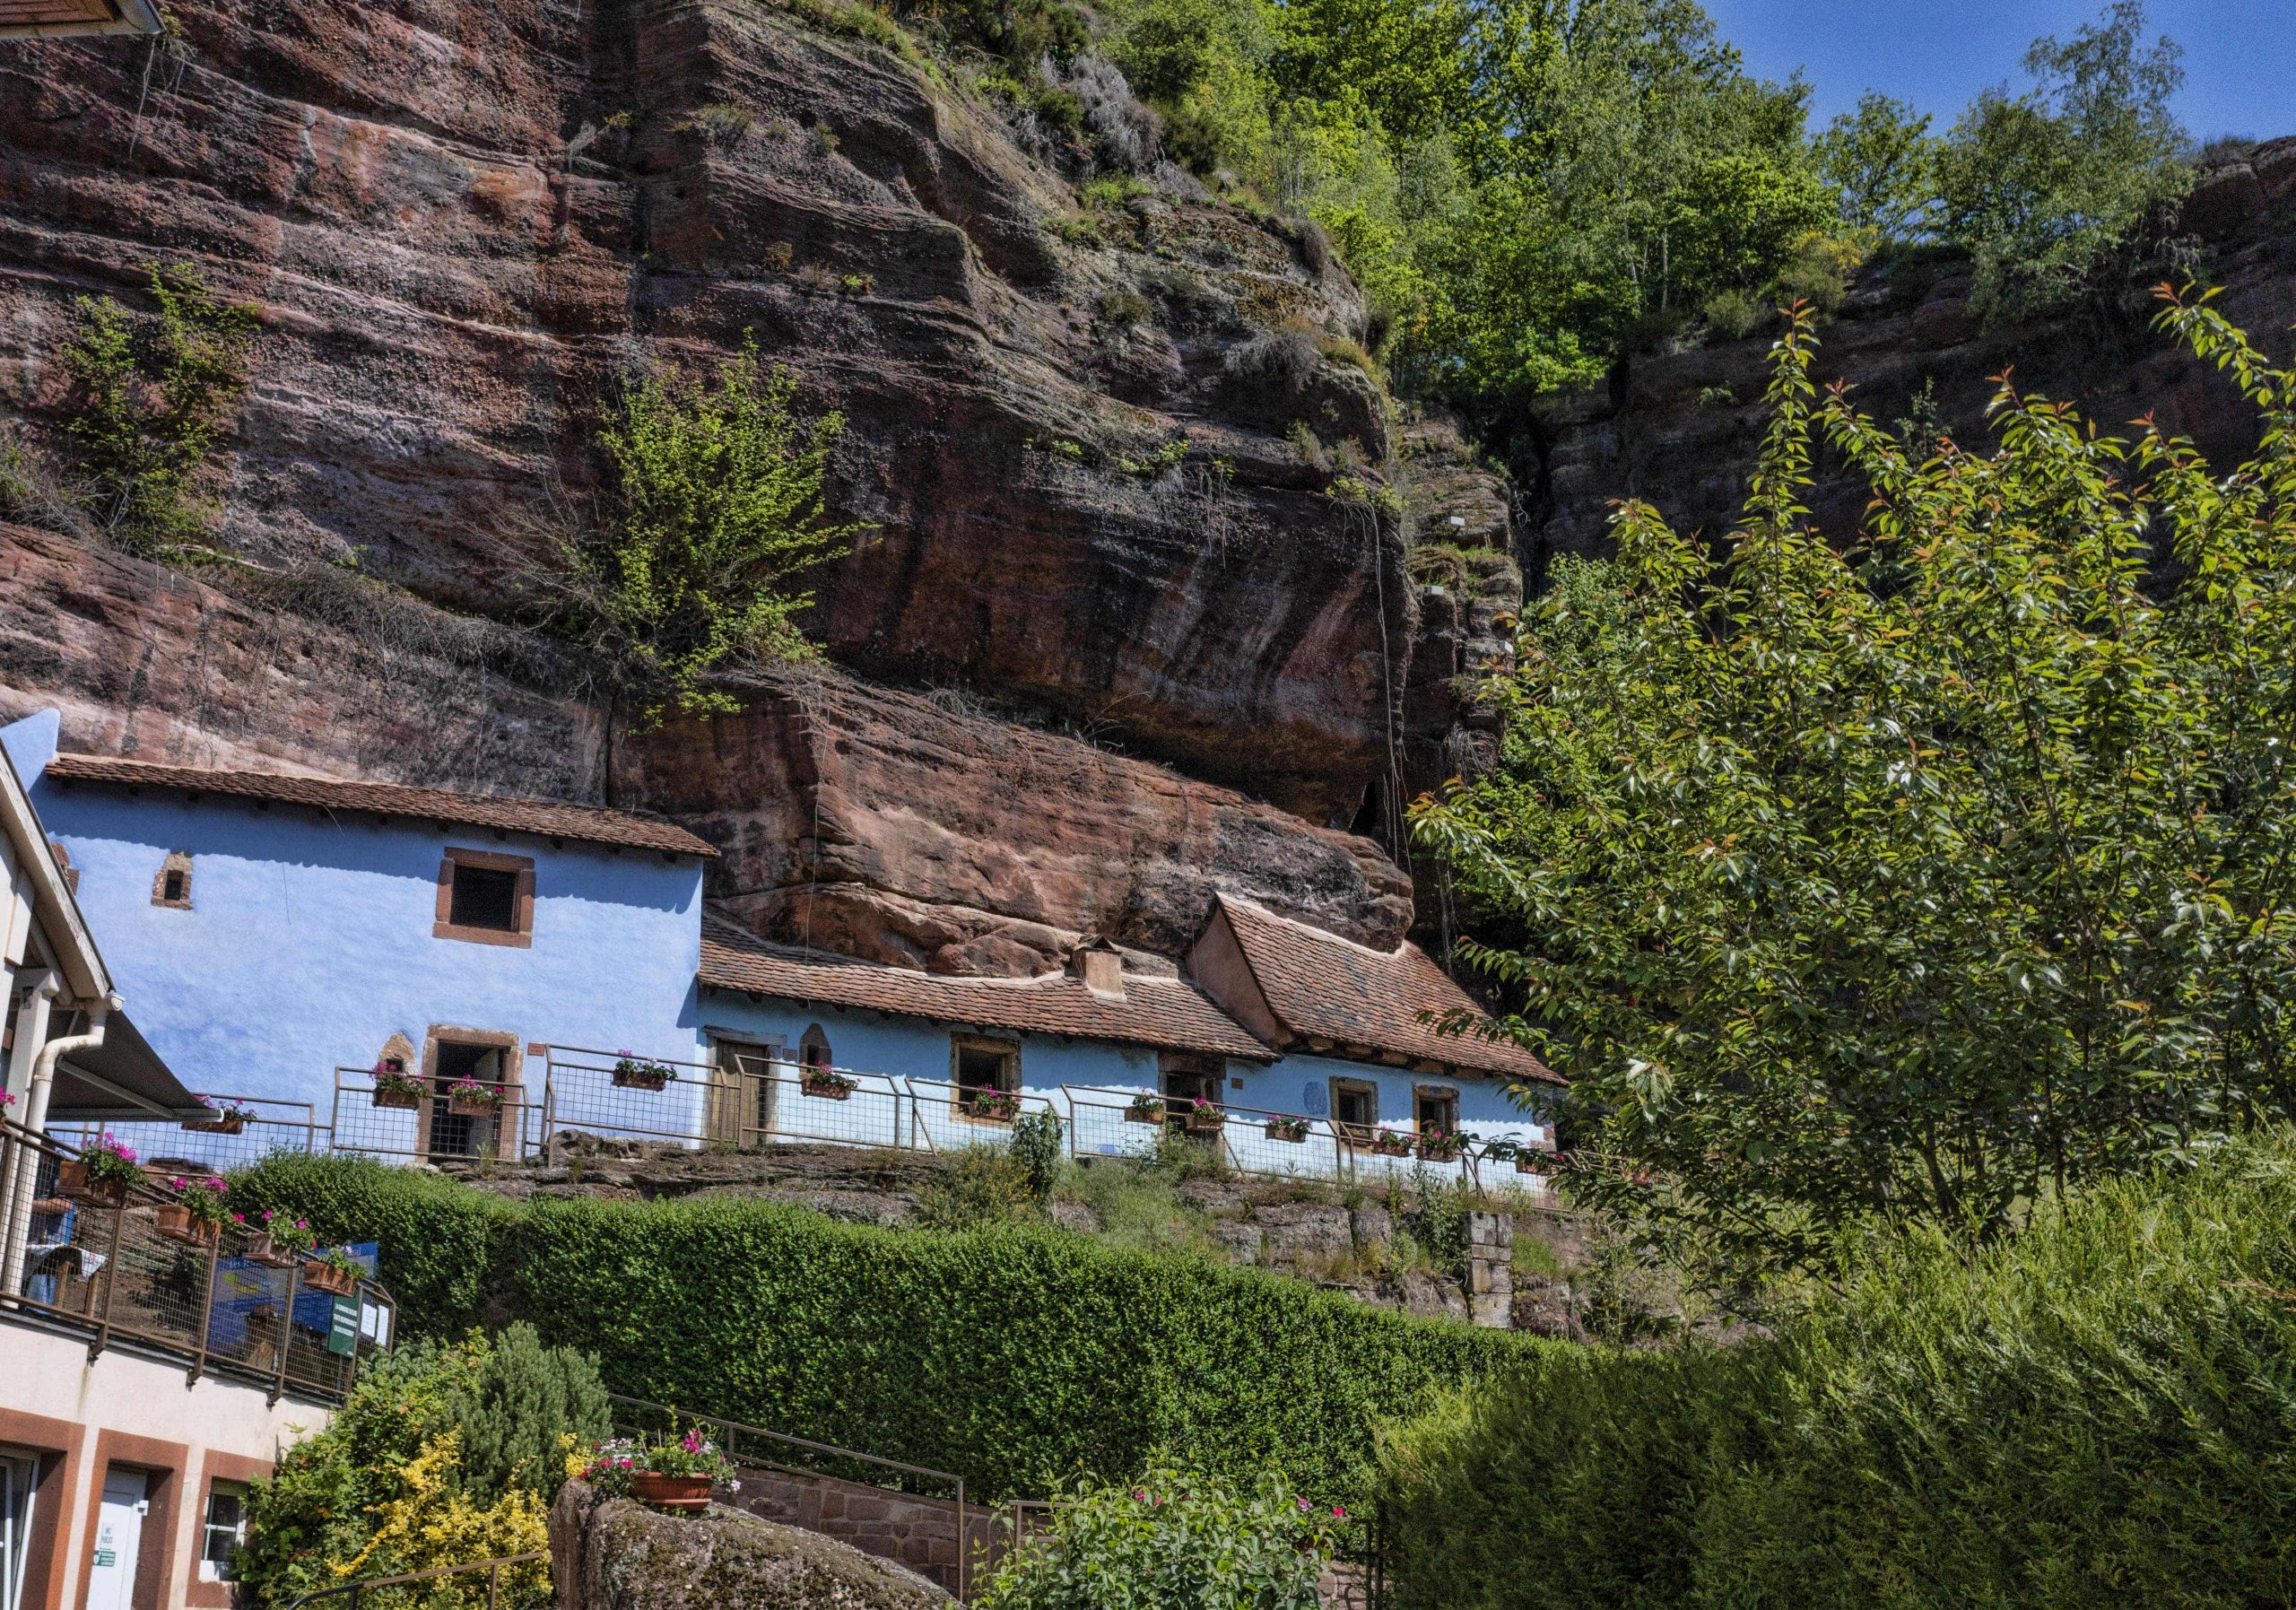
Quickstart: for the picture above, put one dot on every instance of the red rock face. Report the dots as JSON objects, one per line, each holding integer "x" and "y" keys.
{"x": 911, "y": 830}
{"x": 462, "y": 221}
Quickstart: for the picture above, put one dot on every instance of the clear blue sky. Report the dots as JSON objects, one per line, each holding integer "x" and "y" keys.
{"x": 2239, "y": 55}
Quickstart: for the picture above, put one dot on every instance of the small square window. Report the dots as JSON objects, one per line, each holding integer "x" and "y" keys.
{"x": 1355, "y": 1104}
{"x": 1435, "y": 1109}
{"x": 225, "y": 1529}
{"x": 987, "y": 1077}
{"x": 485, "y": 898}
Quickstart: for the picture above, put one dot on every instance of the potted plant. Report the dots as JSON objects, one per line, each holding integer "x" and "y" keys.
{"x": 828, "y": 1083}
{"x": 396, "y": 1087}
{"x": 1000, "y": 1106}
{"x": 230, "y": 1118}
{"x": 334, "y": 1271}
{"x": 468, "y": 1098}
{"x": 1294, "y": 1130}
{"x": 1145, "y": 1109}
{"x": 1436, "y": 1145}
{"x": 671, "y": 1474}
{"x": 633, "y": 1071}
{"x": 278, "y": 1239}
{"x": 101, "y": 1174}
{"x": 1390, "y": 1143}
{"x": 1203, "y": 1116}
{"x": 195, "y": 1218}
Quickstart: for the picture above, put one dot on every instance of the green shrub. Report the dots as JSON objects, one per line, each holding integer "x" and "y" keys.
{"x": 1035, "y": 1146}
{"x": 2095, "y": 1412}
{"x": 151, "y": 399}
{"x": 1021, "y": 1358}
{"x": 525, "y": 1406}
{"x": 1177, "y": 1537}
{"x": 978, "y": 1185}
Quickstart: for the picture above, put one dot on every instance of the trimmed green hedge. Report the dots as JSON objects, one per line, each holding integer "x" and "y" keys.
{"x": 1017, "y": 1358}
{"x": 2099, "y": 1413}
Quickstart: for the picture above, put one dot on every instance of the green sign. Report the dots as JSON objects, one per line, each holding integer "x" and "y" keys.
{"x": 342, "y": 1329}
{"x": 104, "y": 1556}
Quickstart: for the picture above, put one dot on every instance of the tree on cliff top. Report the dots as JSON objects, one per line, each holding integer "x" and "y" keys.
{"x": 1918, "y": 880}
{"x": 714, "y": 513}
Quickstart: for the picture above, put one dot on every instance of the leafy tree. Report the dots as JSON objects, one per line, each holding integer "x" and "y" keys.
{"x": 1918, "y": 880}
{"x": 153, "y": 398}
{"x": 2043, "y": 187}
{"x": 715, "y": 511}
{"x": 1881, "y": 162}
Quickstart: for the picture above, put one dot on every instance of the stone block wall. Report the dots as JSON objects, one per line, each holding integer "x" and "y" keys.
{"x": 1491, "y": 1270}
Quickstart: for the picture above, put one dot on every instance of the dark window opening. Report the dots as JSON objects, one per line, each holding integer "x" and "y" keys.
{"x": 174, "y": 886}
{"x": 987, "y": 1079}
{"x": 462, "y": 1133}
{"x": 484, "y": 898}
{"x": 812, "y": 1048}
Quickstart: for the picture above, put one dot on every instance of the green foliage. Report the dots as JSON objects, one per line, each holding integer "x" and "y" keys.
{"x": 1021, "y": 1358}
{"x": 717, "y": 510}
{"x": 1178, "y": 1536}
{"x": 443, "y": 1454}
{"x": 1918, "y": 880}
{"x": 151, "y": 399}
{"x": 519, "y": 1413}
{"x": 2044, "y": 188}
{"x": 1881, "y": 162}
{"x": 2089, "y": 1415}
{"x": 977, "y": 1187}
{"x": 1037, "y": 1148}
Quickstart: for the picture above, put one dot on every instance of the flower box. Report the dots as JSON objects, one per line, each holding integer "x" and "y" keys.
{"x": 1534, "y": 1163}
{"x": 635, "y": 1072}
{"x": 1439, "y": 1149}
{"x": 671, "y": 1491}
{"x": 996, "y": 1106}
{"x": 1144, "y": 1109}
{"x": 72, "y": 1179}
{"x": 260, "y": 1250}
{"x": 1204, "y": 1120}
{"x": 398, "y": 1090}
{"x": 230, "y": 1121}
{"x": 828, "y": 1086}
{"x": 1293, "y": 1130}
{"x": 473, "y": 1107}
{"x": 1387, "y": 1144}
{"x": 321, "y": 1277}
{"x": 178, "y": 1224}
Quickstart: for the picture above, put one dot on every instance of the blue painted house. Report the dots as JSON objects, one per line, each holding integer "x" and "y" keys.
{"x": 282, "y": 928}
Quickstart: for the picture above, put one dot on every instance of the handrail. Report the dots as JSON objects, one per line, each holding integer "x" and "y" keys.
{"x": 492, "y": 1568}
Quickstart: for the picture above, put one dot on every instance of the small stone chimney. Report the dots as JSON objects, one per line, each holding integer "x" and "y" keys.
{"x": 1101, "y": 967}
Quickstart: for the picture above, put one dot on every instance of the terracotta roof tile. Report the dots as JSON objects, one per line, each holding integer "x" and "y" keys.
{"x": 1322, "y": 987}
{"x": 587, "y": 824}
{"x": 1169, "y": 1014}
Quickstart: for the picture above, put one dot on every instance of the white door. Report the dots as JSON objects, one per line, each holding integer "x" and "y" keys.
{"x": 19, "y": 1476}
{"x": 119, "y": 1528}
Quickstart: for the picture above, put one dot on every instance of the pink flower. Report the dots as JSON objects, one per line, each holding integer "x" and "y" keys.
{"x": 1139, "y": 1496}
{"x": 176, "y": 1182}
{"x": 1301, "y": 1502}
{"x": 1339, "y": 1511}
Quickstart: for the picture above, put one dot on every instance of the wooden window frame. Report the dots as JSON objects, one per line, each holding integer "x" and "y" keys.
{"x": 1369, "y": 1087}
{"x": 1010, "y": 1049}
{"x": 1439, "y": 1093}
{"x": 444, "y": 928}
{"x": 200, "y": 1594}
{"x": 179, "y": 861}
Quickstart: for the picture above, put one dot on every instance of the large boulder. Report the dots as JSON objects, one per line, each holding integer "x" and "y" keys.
{"x": 609, "y": 1553}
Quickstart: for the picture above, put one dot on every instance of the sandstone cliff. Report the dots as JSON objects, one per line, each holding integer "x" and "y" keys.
{"x": 1112, "y": 643}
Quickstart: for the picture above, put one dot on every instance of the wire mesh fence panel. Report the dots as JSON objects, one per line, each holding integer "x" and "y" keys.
{"x": 947, "y": 1116}
{"x": 780, "y": 1101}
{"x": 245, "y": 1316}
{"x": 625, "y": 1096}
{"x": 257, "y": 1129}
{"x": 392, "y": 1115}
{"x": 1250, "y": 1140}
{"x": 1112, "y": 1123}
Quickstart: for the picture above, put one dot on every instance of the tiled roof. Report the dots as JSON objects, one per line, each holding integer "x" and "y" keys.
{"x": 1322, "y": 987}
{"x": 586, "y": 825}
{"x": 1169, "y": 1013}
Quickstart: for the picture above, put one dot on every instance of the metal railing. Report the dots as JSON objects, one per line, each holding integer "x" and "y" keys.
{"x": 356, "y": 1591}
{"x": 370, "y": 1119}
{"x": 246, "y": 1130}
{"x": 121, "y": 1263}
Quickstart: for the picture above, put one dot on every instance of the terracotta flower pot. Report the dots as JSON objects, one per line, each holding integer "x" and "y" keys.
{"x": 407, "y": 1098}
{"x": 641, "y": 1078}
{"x": 1144, "y": 1114}
{"x": 177, "y": 1224}
{"x": 826, "y": 1089}
{"x": 261, "y": 1251}
{"x": 1533, "y": 1165}
{"x": 472, "y": 1107}
{"x": 71, "y": 1179}
{"x": 325, "y": 1277}
{"x": 687, "y": 1492}
{"x": 1284, "y": 1132}
{"x": 230, "y": 1123}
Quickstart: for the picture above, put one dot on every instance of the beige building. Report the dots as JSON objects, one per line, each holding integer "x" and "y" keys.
{"x": 149, "y": 1367}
